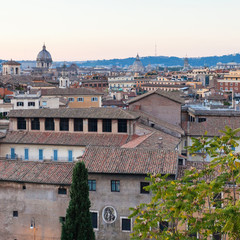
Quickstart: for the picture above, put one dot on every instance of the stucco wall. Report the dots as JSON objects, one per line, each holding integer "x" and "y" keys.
{"x": 47, "y": 151}
{"x": 160, "y": 107}
{"x": 45, "y": 204}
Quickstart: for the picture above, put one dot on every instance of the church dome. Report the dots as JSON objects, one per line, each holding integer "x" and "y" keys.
{"x": 137, "y": 65}
{"x": 44, "y": 55}
{"x": 44, "y": 58}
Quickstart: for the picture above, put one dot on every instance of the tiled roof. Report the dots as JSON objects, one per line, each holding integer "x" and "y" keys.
{"x": 97, "y": 159}
{"x": 130, "y": 161}
{"x": 157, "y": 140}
{"x": 11, "y": 62}
{"x": 162, "y": 124}
{"x": 188, "y": 165}
{"x": 175, "y": 96}
{"x": 163, "y": 85}
{"x": 101, "y": 113}
{"x": 66, "y": 139}
{"x": 69, "y": 91}
{"x": 213, "y": 112}
{"x": 212, "y": 125}
{"x": 135, "y": 142}
{"x": 36, "y": 172}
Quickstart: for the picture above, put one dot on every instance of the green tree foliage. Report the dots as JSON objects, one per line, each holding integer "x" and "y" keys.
{"x": 204, "y": 202}
{"x": 78, "y": 224}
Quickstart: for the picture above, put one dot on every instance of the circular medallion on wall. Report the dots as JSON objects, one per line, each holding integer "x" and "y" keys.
{"x": 109, "y": 214}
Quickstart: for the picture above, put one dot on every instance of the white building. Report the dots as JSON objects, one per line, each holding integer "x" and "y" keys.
{"x": 11, "y": 68}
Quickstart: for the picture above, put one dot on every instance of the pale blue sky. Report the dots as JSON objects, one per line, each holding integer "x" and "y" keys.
{"x": 103, "y": 29}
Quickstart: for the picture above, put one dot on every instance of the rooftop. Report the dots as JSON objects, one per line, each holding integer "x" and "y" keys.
{"x": 11, "y": 62}
{"x": 97, "y": 113}
{"x": 130, "y": 161}
{"x": 69, "y": 91}
{"x": 107, "y": 160}
{"x": 207, "y": 110}
{"x": 65, "y": 139}
{"x": 175, "y": 96}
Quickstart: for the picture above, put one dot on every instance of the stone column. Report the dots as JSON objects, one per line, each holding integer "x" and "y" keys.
{"x": 114, "y": 126}
{"x": 71, "y": 125}
{"x": 85, "y": 125}
{"x": 56, "y": 124}
{"x": 99, "y": 125}
{"x": 42, "y": 124}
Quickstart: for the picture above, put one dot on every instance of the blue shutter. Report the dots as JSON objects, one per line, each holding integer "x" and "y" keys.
{"x": 70, "y": 157}
{"x": 26, "y": 153}
{"x": 12, "y": 153}
{"x": 40, "y": 154}
{"x": 55, "y": 155}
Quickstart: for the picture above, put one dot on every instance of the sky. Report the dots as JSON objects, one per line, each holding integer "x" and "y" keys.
{"x": 79, "y": 30}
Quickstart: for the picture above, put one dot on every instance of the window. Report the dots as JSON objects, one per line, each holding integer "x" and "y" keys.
{"x": 125, "y": 224}
{"x": 64, "y": 125}
{"x": 24, "y": 187}
{"x": 107, "y": 125}
{"x": 226, "y": 88}
{"x": 92, "y": 125}
{"x": 20, "y": 104}
{"x": 221, "y": 84}
{"x": 163, "y": 225}
{"x": 94, "y": 216}
{"x": 44, "y": 103}
{"x": 55, "y": 155}
{"x": 94, "y": 99}
{"x": 40, "y": 154}
{"x": 180, "y": 161}
{"x": 191, "y": 119}
{"x": 15, "y": 213}
{"x": 115, "y": 186}
{"x": 62, "y": 219}
{"x": 49, "y": 124}
{"x": 35, "y": 124}
{"x": 231, "y": 84}
{"x": 71, "y": 99}
{"x": 92, "y": 185}
{"x": 236, "y": 84}
{"x": 78, "y": 124}
{"x": 62, "y": 191}
{"x": 122, "y": 125}
{"x": 217, "y": 236}
{"x": 202, "y": 119}
{"x": 21, "y": 123}
{"x": 31, "y": 104}
{"x": 70, "y": 155}
{"x": 142, "y": 185}
{"x": 217, "y": 199}
{"x": 26, "y": 154}
{"x": 80, "y": 99}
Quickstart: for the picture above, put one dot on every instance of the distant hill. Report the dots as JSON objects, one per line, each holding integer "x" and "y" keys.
{"x": 166, "y": 61}
{"x": 159, "y": 60}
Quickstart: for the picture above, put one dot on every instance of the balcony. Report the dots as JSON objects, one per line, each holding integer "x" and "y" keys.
{"x": 15, "y": 157}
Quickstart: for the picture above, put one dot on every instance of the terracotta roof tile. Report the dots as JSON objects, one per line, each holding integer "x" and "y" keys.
{"x": 130, "y": 161}
{"x": 67, "y": 139}
{"x": 212, "y": 126}
{"x": 175, "y": 96}
{"x": 36, "y": 172}
{"x": 69, "y": 91}
{"x": 101, "y": 113}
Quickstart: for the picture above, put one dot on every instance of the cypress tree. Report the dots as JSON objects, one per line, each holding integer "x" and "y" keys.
{"x": 78, "y": 223}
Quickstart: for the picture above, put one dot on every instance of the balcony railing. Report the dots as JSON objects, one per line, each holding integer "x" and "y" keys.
{"x": 13, "y": 157}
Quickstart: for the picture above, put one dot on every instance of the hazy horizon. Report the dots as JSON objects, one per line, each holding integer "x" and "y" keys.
{"x": 79, "y": 30}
